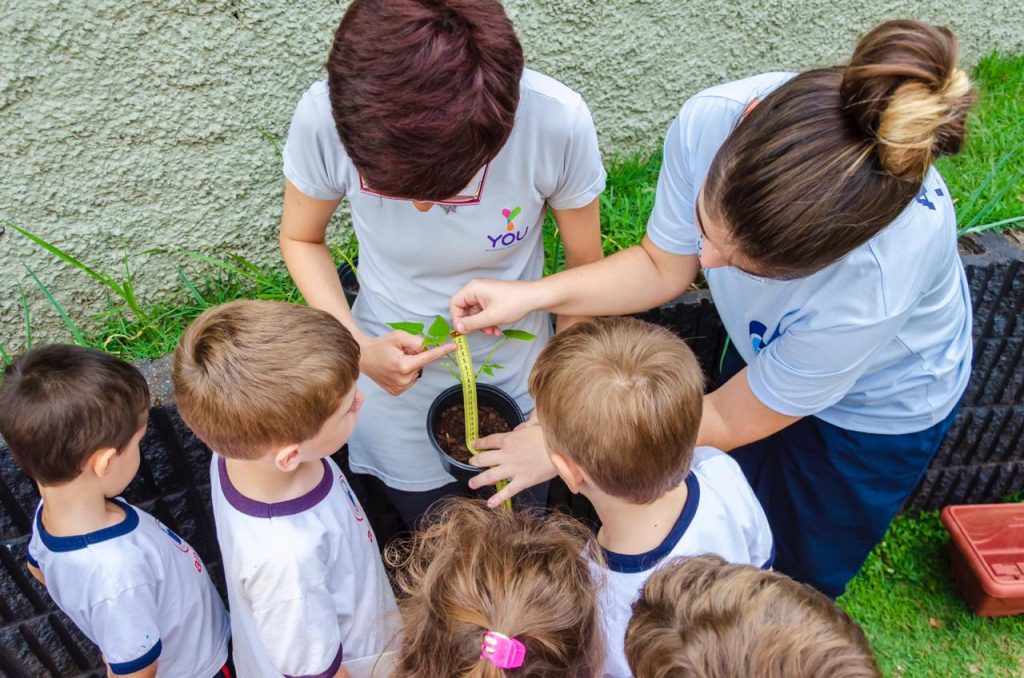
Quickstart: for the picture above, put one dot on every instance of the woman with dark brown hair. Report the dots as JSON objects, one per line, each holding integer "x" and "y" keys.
{"x": 449, "y": 154}
{"x": 828, "y": 241}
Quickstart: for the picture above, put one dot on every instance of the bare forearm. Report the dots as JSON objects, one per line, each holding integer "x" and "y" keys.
{"x": 733, "y": 416}
{"x": 626, "y": 282}
{"x": 312, "y": 268}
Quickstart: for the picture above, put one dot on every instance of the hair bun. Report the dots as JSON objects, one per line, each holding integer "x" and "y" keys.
{"x": 903, "y": 89}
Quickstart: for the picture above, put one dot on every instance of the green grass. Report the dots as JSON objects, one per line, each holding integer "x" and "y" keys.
{"x": 995, "y": 131}
{"x": 917, "y": 623}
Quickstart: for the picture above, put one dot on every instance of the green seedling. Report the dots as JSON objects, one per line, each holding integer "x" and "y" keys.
{"x": 439, "y": 333}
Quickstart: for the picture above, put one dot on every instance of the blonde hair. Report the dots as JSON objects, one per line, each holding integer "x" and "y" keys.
{"x": 253, "y": 375}
{"x": 472, "y": 570}
{"x": 705, "y": 618}
{"x": 622, "y": 398}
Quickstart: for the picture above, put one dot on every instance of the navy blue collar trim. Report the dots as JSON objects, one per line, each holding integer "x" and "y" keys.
{"x": 80, "y": 541}
{"x": 640, "y": 562}
{"x": 259, "y": 509}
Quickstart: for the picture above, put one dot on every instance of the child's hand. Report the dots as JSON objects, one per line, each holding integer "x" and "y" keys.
{"x": 395, "y": 360}
{"x": 485, "y": 304}
{"x": 519, "y": 457}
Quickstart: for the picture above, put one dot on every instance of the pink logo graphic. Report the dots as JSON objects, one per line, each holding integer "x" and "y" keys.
{"x": 509, "y": 216}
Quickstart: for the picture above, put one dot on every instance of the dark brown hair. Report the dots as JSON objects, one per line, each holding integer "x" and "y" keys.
{"x": 424, "y": 92}
{"x": 472, "y": 570}
{"x": 705, "y": 618}
{"x": 252, "y": 375}
{"x": 59, "y": 404}
{"x": 834, "y": 155}
{"x": 623, "y": 399}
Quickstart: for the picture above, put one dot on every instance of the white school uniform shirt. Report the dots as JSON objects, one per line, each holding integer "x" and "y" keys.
{"x": 306, "y": 587}
{"x": 722, "y": 516}
{"x": 411, "y": 263}
{"x": 878, "y": 342}
{"x": 139, "y": 592}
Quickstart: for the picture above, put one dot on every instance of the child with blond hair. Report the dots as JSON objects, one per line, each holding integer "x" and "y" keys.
{"x": 490, "y": 594}
{"x": 271, "y": 388}
{"x": 706, "y": 618}
{"x": 619, "y": 401}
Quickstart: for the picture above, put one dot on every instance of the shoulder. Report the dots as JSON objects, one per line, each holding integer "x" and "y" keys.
{"x": 314, "y": 107}
{"x": 550, "y": 108}
{"x": 312, "y": 119}
{"x": 550, "y": 94}
{"x": 741, "y": 92}
{"x": 711, "y": 114}
{"x": 712, "y": 463}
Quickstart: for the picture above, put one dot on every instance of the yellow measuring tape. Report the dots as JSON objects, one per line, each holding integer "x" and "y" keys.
{"x": 464, "y": 361}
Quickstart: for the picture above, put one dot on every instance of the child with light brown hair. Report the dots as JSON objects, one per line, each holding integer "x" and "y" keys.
{"x": 619, "y": 401}
{"x": 270, "y": 387}
{"x": 491, "y": 593}
{"x": 705, "y": 618}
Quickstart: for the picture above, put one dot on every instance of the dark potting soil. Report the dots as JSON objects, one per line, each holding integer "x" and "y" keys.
{"x": 451, "y": 429}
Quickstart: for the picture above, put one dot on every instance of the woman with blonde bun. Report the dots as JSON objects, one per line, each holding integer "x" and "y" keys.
{"x": 828, "y": 241}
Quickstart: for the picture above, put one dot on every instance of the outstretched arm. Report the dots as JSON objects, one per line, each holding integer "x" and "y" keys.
{"x": 635, "y": 279}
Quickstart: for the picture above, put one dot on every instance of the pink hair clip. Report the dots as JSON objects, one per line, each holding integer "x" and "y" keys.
{"x": 502, "y": 651}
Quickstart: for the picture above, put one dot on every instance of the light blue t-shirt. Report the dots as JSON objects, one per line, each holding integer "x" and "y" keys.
{"x": 878, "y": 342}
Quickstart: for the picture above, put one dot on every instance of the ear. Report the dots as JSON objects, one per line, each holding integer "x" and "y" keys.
{"x": 101, "y": 460}
{"x": 568, "y": 470}
{"x": 287, "y": 458}
{"x": 751, "y": 105}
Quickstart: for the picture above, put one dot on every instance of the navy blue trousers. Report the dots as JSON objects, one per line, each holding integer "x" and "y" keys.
{"x": 830, "y": 493}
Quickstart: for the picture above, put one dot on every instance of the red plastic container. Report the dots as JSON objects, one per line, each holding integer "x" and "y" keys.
{"x": 987, "y": 553}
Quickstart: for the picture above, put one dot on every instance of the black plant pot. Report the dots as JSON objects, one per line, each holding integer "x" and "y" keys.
{"x": 349, "y": 281}
{"x": 485, "y": 395}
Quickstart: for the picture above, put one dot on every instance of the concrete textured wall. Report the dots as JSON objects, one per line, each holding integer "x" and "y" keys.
{"x": 132, "y": 125}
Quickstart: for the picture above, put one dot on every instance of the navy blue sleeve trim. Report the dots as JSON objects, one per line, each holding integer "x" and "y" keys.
{"x": 138, "y": 664}
{"x": 771, "y": 559}
{"x": 31, "y": 561}
{"x": 331, "y": 670}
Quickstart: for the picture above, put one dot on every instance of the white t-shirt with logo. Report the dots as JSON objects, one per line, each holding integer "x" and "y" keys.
{"x": 721, "y": 517}
{"x": 878, "y": 342}
{"x": 411, "y": 262}
{"x": 139, "y": 592}
{"x": 306, "y": 586}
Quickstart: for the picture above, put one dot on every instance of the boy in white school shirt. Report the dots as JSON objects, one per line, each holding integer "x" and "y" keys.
{"x": 73, "y": 418}
{"x": 620, "y": 404}
{"x": 271, "y": 388}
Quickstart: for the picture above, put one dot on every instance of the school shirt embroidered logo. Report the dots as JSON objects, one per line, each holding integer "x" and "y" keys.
{"x": 510, "y": 235}
{"x": 180, "y": 544}
{"x": 758, "y": 330}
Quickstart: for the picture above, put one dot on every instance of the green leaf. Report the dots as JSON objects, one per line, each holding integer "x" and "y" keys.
{"x": 192, "y": 289}
{"x": 75, "y": 331}
{"x": 26, "y": 314}
{"x": 486, "y": 369}
{"x": 521, "y": 335}
{"x": 439, "y": 329}
{"x": 5, "y": 357}
{"x": 64, "y": 256}
{"x": 411, "y": 328}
